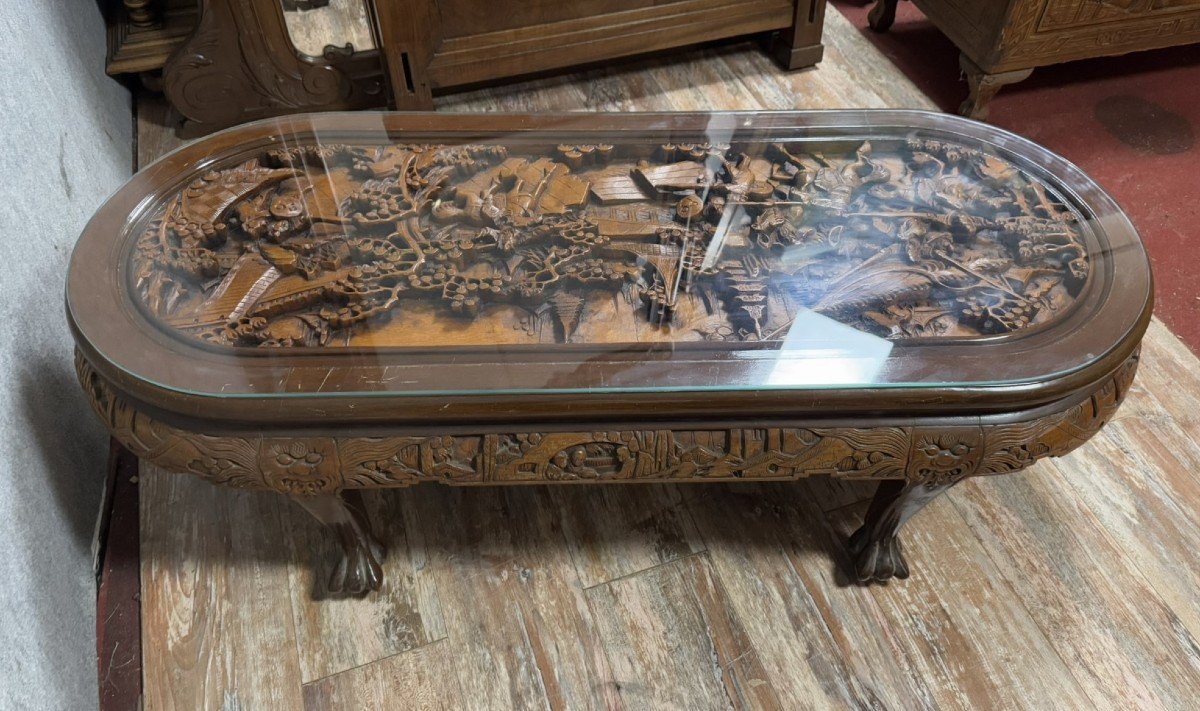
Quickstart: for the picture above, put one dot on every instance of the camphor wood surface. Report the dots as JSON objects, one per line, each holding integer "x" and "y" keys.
{"x": 952, "y": 256}
{"x": 1072, "y": 584}
{"x": 923, "y": 452}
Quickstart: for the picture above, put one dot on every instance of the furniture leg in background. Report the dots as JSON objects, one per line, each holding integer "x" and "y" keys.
{"x": 1002, "y": 42}
{"x": 983, "y": 86}
{"x": 882, "y": 15}
{"x": 800, "y": 45}
{"x": 406, "y": 45}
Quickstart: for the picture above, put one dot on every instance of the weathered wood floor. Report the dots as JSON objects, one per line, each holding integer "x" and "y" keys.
{"x": 1074, "y": 585}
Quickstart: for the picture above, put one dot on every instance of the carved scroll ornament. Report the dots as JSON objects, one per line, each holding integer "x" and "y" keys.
{"x": 239, "y": 64}
{"x": 327, "y": 245}
{"x": 314, "y": 465}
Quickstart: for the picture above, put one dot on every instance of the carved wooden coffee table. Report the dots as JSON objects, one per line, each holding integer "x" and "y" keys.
{"x": 322, "y": 304}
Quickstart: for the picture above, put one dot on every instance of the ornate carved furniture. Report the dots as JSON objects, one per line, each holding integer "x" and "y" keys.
{"x": 1002, "y": 42}
{"x": 326, "y": 303}
{"x": 228, "y": 61}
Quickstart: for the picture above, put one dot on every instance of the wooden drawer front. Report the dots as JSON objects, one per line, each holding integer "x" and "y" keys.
{"x": 468, "y": 18}
{"x": 472, "y": 54}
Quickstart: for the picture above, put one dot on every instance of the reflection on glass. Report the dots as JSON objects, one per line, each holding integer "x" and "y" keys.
{"x": 401, "y": 245}
{"x": 318, "y": 25}
{"x": 820, "y": 351}
{"x": 720, "y": 255}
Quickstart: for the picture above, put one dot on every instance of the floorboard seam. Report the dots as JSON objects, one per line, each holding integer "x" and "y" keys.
{"x": 374, "y": 661}
{"x": 656, "y": 566}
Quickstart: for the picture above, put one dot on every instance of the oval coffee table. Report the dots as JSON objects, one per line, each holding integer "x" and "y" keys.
{"x": 321, "y": 304}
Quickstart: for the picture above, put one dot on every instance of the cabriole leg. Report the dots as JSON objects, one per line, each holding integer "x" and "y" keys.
{"x": 359, "y": 568}
{"x": 876, "y": 546}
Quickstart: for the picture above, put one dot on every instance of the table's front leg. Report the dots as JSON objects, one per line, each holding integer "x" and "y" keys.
{"x": 359, "y": 569}
{"x": 876, "y": 546}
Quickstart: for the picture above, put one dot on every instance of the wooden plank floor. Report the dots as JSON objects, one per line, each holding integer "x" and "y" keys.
{"x": 1073, "y": 585}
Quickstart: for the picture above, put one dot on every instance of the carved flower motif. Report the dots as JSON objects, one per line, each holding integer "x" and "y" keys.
{"x": 943, "y": 454}
{"x": 861, "y": 460}
{"x": 296, "y": 458}
{"x": 298, "y": 466}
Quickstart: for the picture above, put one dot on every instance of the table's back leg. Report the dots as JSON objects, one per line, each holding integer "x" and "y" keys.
{"x": 876, "y": 546}
{"x": 882, "y": 15}
{"x": 359, "y": 568}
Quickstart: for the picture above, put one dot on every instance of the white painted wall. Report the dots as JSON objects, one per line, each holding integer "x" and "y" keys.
{"x": 66, "y": 144}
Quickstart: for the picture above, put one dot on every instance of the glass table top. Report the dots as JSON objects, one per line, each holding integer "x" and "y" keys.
{"x": 415, "y": 254}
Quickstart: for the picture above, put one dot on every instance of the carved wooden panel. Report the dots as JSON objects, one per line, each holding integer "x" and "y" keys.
{"x": 308, "y": 465}
{"x": 1033, "y": 33}
{"x": 1072, "y": 13}
{"x": 1024, "y": 44}
{"x": 407, "y": 245}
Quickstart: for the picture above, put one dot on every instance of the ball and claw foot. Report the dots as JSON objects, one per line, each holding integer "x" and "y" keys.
{"x": 875, "y": 547}
{"x": 877, "y": 561}
{"x": 359, "y": 569}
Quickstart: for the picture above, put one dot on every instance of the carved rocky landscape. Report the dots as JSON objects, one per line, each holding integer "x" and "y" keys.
{"x": 404, "y": 245}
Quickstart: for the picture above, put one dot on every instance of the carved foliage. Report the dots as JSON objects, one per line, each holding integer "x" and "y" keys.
{"x": 312, "y": 465}
{"x": 319, "y": 245}
{"x": 1040, "y": 31}
{"x": 1013, "y": 447}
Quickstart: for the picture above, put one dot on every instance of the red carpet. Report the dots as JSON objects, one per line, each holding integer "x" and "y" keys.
{"x": 1130, "y": 122}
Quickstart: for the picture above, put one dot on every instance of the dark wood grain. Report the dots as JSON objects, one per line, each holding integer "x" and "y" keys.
{"x": 118, "y": 598}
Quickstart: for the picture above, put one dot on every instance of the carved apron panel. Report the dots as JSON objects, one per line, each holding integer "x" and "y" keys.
{"x": 313, "y": 465}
